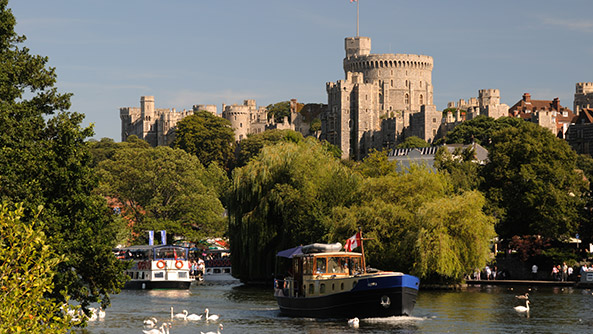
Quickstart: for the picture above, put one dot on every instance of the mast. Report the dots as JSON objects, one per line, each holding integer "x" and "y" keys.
{"x": 357, "y": 1}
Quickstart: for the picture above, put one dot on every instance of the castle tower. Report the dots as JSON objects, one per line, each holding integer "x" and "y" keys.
{"x": 239, "y": 116}
{"x": 583, "y": 97}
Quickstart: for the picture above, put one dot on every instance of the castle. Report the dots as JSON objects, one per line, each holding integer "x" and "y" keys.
{"x": 383, "y": 99}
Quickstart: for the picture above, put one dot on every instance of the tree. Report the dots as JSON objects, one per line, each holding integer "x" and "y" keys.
{"x": 254, "y": 143}
{"x": 27, "y": 268}
{"x": 413, "y": 142}
{"x": 44, "y": 160}
{"x": 480, "y": 130}
{"x": 165, "y": 189}
{"x": 280, "y": 199}
{"x": 208, "y": 137}
{"x": 460, "y": 166}
{"x": 532, "y": 182}
{"x": 278, "y": 111}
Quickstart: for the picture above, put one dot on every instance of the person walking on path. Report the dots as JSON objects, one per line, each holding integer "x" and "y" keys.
{"x": 534, "y": 272}
{"x": 555, "y": 273}
{"x": 564, "y": 272}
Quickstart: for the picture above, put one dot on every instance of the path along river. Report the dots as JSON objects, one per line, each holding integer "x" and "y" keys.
{"x": 485, "y": 309}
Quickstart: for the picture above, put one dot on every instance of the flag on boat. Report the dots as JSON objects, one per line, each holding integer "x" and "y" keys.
{"x": 353, "y": 242}
{"x": 151, "y": 238}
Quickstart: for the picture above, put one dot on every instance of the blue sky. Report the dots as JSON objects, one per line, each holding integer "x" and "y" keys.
{"x": 108, "y": 53}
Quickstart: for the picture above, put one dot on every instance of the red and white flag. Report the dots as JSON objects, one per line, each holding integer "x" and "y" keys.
{"x": 354, "y": 241}
{"x": 353, "y": 0}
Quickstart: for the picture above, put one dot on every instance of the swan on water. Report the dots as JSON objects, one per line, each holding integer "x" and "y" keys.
{"x": 164, "y": 329}
{"x": 179, "y": 315}
{"x": 101, "y": 313}
{"x": 354, "y": 322}
{"x": 150, "y": 322}
{"x": 194, "y": 317}
{"x": 522, "y": 309}
{"x": 523, "y": 297}
{"x": 213, "y": 317}
{"x": 93, "y": 314}
{"x": 217, "y": 332}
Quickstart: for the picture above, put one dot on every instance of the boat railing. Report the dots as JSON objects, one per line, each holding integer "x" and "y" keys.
{"x": 285, "y": 287}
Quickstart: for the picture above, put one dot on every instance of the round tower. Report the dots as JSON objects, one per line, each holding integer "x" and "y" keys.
{"x": 238, "y": 115}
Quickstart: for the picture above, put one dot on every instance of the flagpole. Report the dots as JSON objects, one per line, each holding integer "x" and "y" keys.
{"x": 357, "y": 1}
{"x": 364, "y": 261}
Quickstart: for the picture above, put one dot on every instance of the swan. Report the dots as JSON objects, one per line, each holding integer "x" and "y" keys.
{"x": 101, "y": 313}
{"x": 354, "y": 322}
{"x": 194, "y": 317}
{"x": 164, "y": 329}
{"x": 213, "y": 317}
{"x": 93, "y": 314}
{"x": 522, "y": 309}
{"x": 217, "y": 332}
{"x": 150, "y": 322}
{"x": 523, "y": 297}
{"x": 179, "y": 315}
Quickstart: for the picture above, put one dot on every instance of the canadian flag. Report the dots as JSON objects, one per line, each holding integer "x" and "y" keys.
{"x": 353, "y": 242}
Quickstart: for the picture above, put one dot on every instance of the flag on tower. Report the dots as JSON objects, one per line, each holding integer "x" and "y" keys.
{"x": 353, "y": 0}
{"x": 353, "y": 242}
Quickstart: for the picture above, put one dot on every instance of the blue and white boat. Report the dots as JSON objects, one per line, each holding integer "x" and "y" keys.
{"x": 329, "y": 283}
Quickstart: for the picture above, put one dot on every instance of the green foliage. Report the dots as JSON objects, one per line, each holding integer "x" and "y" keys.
{"x": 315, "y": 125}
{"x": 206, "y": 136}
{"x": 376, "y": 164}
{"x": 278, "y": 111}
{"x": 463, "y": 172}
{"x": 480, "y": 130}
{"x": 106, "y": 147}
{"x": 27, "y": 268}
{"x": 413, "y": 142}
{"x": 282, "y": 198}
{"x": 532, "y": 183}
{"x": 253, "y": 144}
{"x": 165, "y": 188}
{"x": 44, "y": 160}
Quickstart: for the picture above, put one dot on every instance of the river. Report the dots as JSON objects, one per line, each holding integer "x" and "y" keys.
{"x": 486, "y": 309}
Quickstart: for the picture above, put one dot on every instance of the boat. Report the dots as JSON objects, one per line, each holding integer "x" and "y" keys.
{"x": 329, "y": 283}
{"x": 218, "y": 265}
{"x": 157, "y": 267}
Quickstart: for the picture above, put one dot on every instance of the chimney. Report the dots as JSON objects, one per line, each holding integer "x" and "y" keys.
{"x": 527, "y": 97}
{"x": 556, "y": 104}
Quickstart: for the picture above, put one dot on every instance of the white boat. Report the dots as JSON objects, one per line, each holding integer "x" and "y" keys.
{"x": 218, "y": 265}
{"x": 157, "y": 267}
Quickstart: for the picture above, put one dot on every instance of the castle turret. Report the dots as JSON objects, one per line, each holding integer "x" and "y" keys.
{"x": 583, "y": 97}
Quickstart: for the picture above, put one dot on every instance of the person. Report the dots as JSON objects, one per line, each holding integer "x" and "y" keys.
{"x": 555, "y": 272}
{"x": 534, "y": 272}
{"x": 494, "y": 272}
{"x": 570, "y": 271}
{"x": 564, "y": 269}
{"x": 488, "y": 273}
{"x": 201, "y": 267}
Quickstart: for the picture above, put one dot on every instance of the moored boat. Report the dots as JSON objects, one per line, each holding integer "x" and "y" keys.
{"x": 326, "y": 283}
{"x": 157, "y": 267}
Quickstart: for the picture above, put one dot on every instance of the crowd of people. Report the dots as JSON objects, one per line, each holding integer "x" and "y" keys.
{"x": 197, "y": 268}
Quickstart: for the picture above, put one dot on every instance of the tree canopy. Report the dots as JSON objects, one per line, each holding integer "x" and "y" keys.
{"x": 278, "y": 111}
{"x": 480, "y": 130}
{"x": 44, "y": 160}
{"x": 208, "y": 137}
{"x": 413, "y": 142}
{"x": 165, "y": 189}
{"x": 254, "y": 143}
{"x": 532, "y": 182}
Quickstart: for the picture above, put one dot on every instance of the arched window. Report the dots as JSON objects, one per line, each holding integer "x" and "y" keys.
{"x": 391, "y": 82}
{"x": 406, "y": 99}
{"x": 421, "y": 100}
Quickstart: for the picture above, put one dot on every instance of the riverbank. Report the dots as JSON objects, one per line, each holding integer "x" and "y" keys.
{"x": 531, "y": 283}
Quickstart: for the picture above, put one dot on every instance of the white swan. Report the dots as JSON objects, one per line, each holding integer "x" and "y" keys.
{"x": 101, "y": 313}
{"x": 523, "y": 297}
{"x": 164, "y": 329}
{"x": 150, "y": 322}
{"x": 354, "y": 322}
{"x": 213, "y": 317}
{"x": 179, "y": 315}
{"x": 194, "y": 317}
{"x": 522, "y": 309}
{"x": 93, "y": 314}
{"x": 217, "y": 332}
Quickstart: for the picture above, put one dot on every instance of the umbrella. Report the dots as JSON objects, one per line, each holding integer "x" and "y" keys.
{"x": 289, "y": 253}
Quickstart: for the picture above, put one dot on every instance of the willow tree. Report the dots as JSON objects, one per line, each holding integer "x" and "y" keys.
{"x": 281, "y": 199}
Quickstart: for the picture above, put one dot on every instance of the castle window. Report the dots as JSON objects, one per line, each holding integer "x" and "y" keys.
{"x": 420, "y": 83}
{"x": 391, "y": 72}
{"x": 407, "y": 83}
{"x": 421, "y": 100}
{"x": 434, "y": 120}
{"x": 391, "y": 80}
{"x": 406, "y": 99}
{"x": 240, "y": 125}
{"x": 434, "y": 132}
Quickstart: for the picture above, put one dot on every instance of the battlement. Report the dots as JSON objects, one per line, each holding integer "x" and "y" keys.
{"x": 375, "y": 61}
{"x": 489, "y": 92}
{"x": 584, "y": 87}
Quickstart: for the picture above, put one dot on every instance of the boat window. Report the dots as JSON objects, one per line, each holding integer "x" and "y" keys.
{"x": 337, "y": 265}
{"x": 160, "y": 274}
{"x": 355, "y": 265}
{"x": 333, "y": 287}
{"x": 307, "y": 265}
{"x": 176, "y": 253}
{"x": 182, "y": 274}
{"x": 322, "y": 288}
{"x": 342, "y": 286}
{"x": 321, "y": 265}
{"x": 311, "y": 289}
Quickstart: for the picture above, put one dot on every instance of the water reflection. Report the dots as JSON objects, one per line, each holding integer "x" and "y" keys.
{"x": 254, "y": 310}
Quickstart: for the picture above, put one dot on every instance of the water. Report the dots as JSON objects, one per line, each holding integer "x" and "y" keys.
{"x": 487, "y": 309}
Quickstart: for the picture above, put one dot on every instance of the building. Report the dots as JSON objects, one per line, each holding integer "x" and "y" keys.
{"x": 424, "y": 156}
{"x": 580, "y": 134}
{"x": 547, "y": 113}
{"x": 246, "y": 118}
{"x": 583, "y": 97}
{"x": 383, "y": 99}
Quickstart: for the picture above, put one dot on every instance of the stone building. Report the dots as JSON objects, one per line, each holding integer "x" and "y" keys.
{"x": 487, "y": 103}
{"x": 383, "y": 99}
{"x": 580, "y": 134}
{"x": 547, "y": 113}
{"x": 246, "y": 118}
{"x": 583, "y": 97}
{"x": 155, "y": 126}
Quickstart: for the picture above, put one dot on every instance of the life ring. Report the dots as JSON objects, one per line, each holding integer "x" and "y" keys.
{"x": 161, "y": 264}
{"x": 178, "y": 264}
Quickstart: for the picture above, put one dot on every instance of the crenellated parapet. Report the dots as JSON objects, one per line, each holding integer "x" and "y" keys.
{"x": 584, "y": 87}
{"x": 387, "y": 61}
{"x": 583, "y": 97}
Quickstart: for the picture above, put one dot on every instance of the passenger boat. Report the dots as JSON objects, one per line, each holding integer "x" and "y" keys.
{"x": 329, "y": 283}
{"x": 218, "y": 265}
{"x": 157, "y": 267}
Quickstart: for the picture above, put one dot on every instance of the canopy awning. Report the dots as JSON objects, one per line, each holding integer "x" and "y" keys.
{"x": 289, "y": 253}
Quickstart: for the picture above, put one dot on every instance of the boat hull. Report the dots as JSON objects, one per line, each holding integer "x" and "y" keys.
{"x": 372, "y": 297}
{"x": 148, "y": 285}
